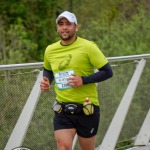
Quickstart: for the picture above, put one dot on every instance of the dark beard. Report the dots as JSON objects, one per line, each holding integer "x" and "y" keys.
{"x": 66, "y": 39}
{"x": 70, "y": 36}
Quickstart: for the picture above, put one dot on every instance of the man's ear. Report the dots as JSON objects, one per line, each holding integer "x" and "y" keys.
{"x": 77, "y": 28}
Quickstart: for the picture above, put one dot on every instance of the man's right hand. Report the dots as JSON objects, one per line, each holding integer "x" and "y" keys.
{"x": 45, "y": 85}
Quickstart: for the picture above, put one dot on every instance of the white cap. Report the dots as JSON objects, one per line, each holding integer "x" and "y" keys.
{"x": 68, "y": 15}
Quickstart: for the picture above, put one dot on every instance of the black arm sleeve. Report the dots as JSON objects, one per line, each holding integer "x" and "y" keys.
{"x": 48, "y": 74}
{"x": 104, "y": 73}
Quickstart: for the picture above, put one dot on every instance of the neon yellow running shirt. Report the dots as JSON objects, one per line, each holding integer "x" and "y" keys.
{"x": 81, "y": 57}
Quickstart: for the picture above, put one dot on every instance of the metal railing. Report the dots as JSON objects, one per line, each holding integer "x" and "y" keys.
{"x": 107, "y": 143}
{"x": 40, "y": 64}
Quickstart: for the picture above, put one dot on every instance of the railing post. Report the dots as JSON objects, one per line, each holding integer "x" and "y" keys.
{"x": 143, "y": 137}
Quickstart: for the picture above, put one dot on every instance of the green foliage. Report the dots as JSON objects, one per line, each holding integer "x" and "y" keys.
{"x": 118, "y": 27}
{"x": 20, "y": 47}
{"x": 117, "y": 34}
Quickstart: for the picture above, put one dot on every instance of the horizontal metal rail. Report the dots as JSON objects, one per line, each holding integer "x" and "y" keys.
{"x": 40, "y": 64}
{"x": 21, "y": 66}
{"x": 125, "y": 58}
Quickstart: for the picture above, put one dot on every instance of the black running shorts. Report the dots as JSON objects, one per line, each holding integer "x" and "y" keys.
{"x": 86, "y": 125}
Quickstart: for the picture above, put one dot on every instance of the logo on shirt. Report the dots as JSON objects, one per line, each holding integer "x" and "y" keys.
{"x": 65, "y": 62}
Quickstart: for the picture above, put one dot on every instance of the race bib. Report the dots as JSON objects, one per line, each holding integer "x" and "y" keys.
{"x": 61, "y": 79}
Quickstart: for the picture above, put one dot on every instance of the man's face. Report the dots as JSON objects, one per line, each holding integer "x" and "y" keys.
{"x": 66, "y": 29}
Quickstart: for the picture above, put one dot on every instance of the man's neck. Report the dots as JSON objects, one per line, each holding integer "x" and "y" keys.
{"x": 68, "y": 42}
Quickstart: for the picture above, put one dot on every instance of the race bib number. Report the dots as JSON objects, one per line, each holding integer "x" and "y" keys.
{"x": 61, "y": 79}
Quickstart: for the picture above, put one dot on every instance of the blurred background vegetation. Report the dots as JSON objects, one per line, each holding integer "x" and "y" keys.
{"x": 27, "y": 27}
